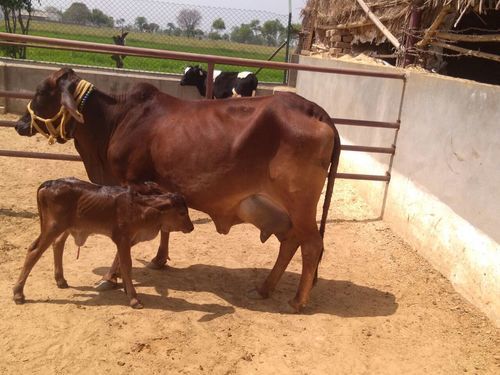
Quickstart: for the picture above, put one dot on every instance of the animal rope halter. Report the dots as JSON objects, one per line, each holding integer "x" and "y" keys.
{"x": 54, "y": 130}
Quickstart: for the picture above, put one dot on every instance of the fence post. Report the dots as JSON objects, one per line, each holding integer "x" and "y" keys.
{"x": 288, "y": 32}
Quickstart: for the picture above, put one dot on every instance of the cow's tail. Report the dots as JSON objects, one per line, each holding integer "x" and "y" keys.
{"x": 334, "y": 163}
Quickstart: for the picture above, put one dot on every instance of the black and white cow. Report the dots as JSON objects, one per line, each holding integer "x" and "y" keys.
{"x": 226, "y": 84}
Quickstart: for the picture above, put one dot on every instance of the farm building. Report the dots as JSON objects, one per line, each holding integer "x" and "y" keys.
{"x": 458, "y": 38}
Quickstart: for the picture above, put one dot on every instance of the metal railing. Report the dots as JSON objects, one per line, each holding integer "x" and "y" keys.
{"x": 42, "y": 42}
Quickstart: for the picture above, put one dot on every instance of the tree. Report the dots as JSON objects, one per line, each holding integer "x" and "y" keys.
{"x": 151, "y": 27}
{"x": 17, "y": 17}
{"x": 98, "y": 18}
{"x": 273, "y": 32}
{"x": 188, "y": 20}
{"x": 172, "y": 30}
{"x": 120, "y": 22}
{"x": 140, "y": 22}
{"x": 77, "y": 13}
{"x": 53, "y": 14}
{"x": 218, "y": 25}
{"x": 247, "y": 33}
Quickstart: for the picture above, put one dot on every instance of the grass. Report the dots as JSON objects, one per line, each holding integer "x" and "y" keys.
{"x": 146, "y": 40}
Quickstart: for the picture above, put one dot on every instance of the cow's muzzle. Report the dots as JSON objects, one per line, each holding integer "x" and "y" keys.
{"x": 23, "y": 127}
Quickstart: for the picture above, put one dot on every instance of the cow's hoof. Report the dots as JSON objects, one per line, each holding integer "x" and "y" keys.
{"x": 105, "y": 285}
{"x": 62, "y": 284}
{"x": 136, "y": 304}
{"x": 255, "y": 293}
{"x": 155, "y": 265}
{"x": 19, "y": 299}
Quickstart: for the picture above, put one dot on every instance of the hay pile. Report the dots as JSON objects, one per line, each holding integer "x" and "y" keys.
{"x": 319, "y": 15}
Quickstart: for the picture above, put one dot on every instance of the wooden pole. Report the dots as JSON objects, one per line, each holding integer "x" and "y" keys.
{"x": 380, "y": 25}
{"x": 468, "y": 38}
{"x": 468, "y": 52}
{"x": 431, "y": 30}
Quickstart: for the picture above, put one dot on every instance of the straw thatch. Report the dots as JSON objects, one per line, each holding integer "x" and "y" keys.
{"x": 324, "y": 14}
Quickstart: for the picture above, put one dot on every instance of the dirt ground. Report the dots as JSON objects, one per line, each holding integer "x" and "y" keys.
{"x": 378, "y": 307}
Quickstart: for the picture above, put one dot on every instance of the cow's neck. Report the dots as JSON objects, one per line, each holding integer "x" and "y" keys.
{"x": 93, "y": 136}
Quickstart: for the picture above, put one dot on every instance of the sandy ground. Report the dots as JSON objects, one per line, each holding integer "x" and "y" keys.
{"x": 378, "y": 307}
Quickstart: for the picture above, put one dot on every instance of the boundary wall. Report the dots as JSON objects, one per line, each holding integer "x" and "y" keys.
{"x": 444, "y": 193}
{"x": 25, "y": 76}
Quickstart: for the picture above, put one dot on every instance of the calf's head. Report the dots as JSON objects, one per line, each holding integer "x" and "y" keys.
{"x": 174, "y": 216}
{"x": 53, "y": 99}
{"x": 193, "y": 76}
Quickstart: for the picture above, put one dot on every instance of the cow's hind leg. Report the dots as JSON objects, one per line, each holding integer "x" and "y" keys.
{"x": 161, "y": 257}
{"x": 311, "y": 248}
{"x": 288, "y": 248}
{"x": 58, "y": 248}
{"x": 35, "y": 251}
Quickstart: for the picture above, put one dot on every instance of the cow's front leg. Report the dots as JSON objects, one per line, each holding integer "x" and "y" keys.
{"x": 161, "y": 257}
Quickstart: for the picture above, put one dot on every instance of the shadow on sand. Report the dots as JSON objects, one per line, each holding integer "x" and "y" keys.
{"x": 334, "y": 297}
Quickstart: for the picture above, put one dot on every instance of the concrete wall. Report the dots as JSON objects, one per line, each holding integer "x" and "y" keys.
{"x": 445, "y": 186}
{"x": 24, "y": 77}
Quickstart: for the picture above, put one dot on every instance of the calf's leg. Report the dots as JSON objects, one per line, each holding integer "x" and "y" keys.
{"x": 35, "y": 251}
{"x": 110, "y": 279}
{"x": 126, "y": 270}
{"x": 58, "y": 248}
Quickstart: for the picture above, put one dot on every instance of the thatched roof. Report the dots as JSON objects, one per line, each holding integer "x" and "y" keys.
{"x": 322, "y": 14}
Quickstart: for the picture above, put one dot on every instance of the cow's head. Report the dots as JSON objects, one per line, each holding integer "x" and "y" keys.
{"x": 53, "y": 96}
{"x": 193, "y": 76}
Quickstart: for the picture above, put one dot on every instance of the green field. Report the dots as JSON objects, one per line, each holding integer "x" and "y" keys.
{"x": 145, "y": 40}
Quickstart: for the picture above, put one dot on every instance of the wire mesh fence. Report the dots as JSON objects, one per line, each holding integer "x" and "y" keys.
{"x": 150, "y": 24}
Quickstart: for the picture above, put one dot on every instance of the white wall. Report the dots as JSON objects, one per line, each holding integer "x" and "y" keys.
{"x": 444, "y": 193}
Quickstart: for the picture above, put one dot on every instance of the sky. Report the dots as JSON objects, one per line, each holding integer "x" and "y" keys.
{"x": 162, "y": 12}
{"x": 275, "y": 6}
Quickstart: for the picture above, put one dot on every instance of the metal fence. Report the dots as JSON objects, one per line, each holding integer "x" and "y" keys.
{"x": 210, "y": 61}
{"x": 154, "y": 24}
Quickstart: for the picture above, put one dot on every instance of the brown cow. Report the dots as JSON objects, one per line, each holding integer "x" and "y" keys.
{"x": 260, "y": 160}
{"x": 71, "y": 206}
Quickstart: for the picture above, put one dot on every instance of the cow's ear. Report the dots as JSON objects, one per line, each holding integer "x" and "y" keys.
{"x": 67, "y": 100}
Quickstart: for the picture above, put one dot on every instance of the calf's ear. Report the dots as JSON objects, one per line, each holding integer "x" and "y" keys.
{"x": 68, "y": 101}
{"x": 164, "y": 204}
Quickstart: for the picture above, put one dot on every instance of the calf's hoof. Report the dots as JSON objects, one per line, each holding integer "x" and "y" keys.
{"x": 136, "y": 304}
{"x": 62, "y": 284}
{"x": 19, "y": 299}
{"x": 105, "y": 285}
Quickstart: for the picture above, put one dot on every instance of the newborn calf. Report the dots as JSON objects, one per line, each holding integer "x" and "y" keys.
{"x": 70, "y": 206}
